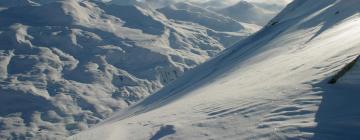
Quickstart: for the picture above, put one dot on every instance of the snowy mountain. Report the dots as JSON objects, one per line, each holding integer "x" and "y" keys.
{"x": 219, "y": 25}
{"x": 273, "y": 85}
{"x": 192, "y": 13}
{"x": 249, "y": 13}
{"x": 14, "y": 3}
{"x": 65, "y": 65}
{"x": 253, "y": 12}
{"x": 273, "y": 5}
{"x": 162, "y": 3}
{"x": 207, "y": 4}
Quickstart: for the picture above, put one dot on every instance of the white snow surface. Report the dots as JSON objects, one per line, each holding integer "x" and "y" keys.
{"x": 188, "y": 12}
{"x": 254, "y": 12}
{"x": 248, "y": 12}
{"x": 65, "y": 65}
{"x": 274, "y": 85}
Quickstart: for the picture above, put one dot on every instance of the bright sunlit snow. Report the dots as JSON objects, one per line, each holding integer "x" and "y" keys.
{"x": 66, "y": 65}
{"x": 179, "y": 69}
{"x": 274, "y": 85}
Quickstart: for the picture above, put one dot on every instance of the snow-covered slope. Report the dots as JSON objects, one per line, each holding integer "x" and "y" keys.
{"x": 275, "y": 5}
{"x": 212, "y": 12}
{"x": 274, "y": 85}
{"x": 66, "y": 65}
{"x": 189, "y": 12}
{"x": 219, "y": 25}
{"x": 272, "y": 5}
{"x": 14, "y": 3}
{"x": 249, "y": 13}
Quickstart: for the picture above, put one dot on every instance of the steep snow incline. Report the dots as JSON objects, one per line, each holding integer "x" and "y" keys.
{"x": 65, "y": 65}
{"x": 271, "y": 86}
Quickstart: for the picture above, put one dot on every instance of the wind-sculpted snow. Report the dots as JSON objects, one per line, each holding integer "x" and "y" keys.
{"x": 273, "y": 85}
{"x": 65, "y": 65}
